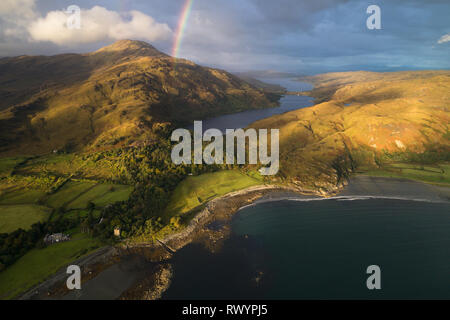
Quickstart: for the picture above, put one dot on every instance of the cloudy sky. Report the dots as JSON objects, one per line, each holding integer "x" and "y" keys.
{"x": 304, "y": 36}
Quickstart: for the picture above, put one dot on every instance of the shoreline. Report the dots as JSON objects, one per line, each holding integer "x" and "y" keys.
{"x": 222, "y": 209}
{"x": 95, "y": 264}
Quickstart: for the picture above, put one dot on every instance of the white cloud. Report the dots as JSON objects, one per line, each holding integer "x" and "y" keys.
{"x": 444, "y": 38}
{"x": 15, "y": 15}
{"x": 97, "y": 24}
{"x": 11, "y": 9}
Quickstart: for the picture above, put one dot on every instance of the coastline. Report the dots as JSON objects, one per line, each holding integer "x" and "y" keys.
{"x": 364, "y": 187}
{"x": 106, "y": 258}
{"x": 210, "y": 226}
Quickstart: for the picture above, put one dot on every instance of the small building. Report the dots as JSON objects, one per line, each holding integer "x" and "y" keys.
{"x": 56, "y": 238}
{"x": 117, "y": 231}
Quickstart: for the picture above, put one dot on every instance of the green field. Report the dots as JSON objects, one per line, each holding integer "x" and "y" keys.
{"x": 58, "y": 164}
{"x": 19, "y": 205}
{"x": 68, "y": 193}
{"x": 38, "y": 264}
{"x": 101, "y": 195}
{"x": 22, "y": 196}
{"x": 13, "y": 217}
{"x": 73, "y": 214}
{"x": 8, "y": 164}
{"x": 435, "y": 174}
{"x": 196, "y": 190}
{"x": 39, "y": 187}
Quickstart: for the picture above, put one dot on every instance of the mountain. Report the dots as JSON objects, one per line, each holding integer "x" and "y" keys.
{"x": 268, "y": 87}
{"x": 119, "y": 95}
{"x": 267, "y": 74}
{"x": 364, "y": 119}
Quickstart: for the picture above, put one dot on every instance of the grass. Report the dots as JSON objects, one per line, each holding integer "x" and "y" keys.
{"x": 8, "y": 164}
{"x": 69, "y": 192}
{"x": 73, "y": 214}
{"x": 58, "y": 164}
{"x": 66, "y": 165}
{"x": 101, "y": 195}
{"x": 435, "y": 174}
{"x": 196, "y": 190}
{"x": 22, "y": 197}
{"x": 13, "y": 217}
{"x": 38, "y": 264}
{"x": 19, "y": 206}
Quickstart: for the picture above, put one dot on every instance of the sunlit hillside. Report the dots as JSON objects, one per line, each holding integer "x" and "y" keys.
{"x": 123, "y": 94}
{"x": 363, "y": 119}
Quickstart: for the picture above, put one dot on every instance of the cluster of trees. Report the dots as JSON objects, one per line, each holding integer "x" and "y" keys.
{"x": 149, "y": 168}
{"x": 155, "y": 177}
{"x": 15, "y": 244}
{"x": 434, "y": 153}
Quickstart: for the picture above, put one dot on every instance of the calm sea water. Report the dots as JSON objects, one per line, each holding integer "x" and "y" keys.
{"x": 321, "y": 250}
{"x": 243, "y": 119}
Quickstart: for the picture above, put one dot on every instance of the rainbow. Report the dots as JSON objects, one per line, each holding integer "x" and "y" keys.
{"x": 181, "y": 27}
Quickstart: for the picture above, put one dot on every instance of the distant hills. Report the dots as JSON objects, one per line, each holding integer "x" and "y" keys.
{"x": 268, "y": 87}
{"x": 364, "y": 119}
{"x": 122, "y": 94}
{"x": 129, "y": 94}
{"x": 267, "y": 74}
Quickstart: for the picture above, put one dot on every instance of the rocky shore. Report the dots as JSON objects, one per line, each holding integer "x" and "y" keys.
{"x": 153, "y": 283}
{"x": 210, "y": 226}
{"x": 151, "y": 287}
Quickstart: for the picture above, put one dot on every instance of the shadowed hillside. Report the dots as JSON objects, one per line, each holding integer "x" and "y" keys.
{"x": 119, "y": 95}
{"x": 364, "y": 119}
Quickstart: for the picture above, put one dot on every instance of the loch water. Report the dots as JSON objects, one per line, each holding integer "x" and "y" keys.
{"x": 321, "y": 250}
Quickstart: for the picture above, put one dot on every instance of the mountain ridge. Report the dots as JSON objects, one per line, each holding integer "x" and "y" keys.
{"x": 120, "y": 94}
{"x": 364, "y": 119}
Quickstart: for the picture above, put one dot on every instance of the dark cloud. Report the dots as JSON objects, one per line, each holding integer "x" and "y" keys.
{"x": 288, "y": 14}
{"x": 289, "y": 35}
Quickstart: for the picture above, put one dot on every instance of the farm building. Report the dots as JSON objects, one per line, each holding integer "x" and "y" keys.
{"x": 55, "y": 238}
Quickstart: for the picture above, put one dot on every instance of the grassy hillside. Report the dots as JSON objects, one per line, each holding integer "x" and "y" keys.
{"x": 22, "y": 204}
{"x": 123, "y": 94}
{"x": 38, "y": 264}
{"x": 13, "y": 217}
{"x": 364, "y": 119}
{"x": 274, "y": 88}
{"x": 438, "y": 174}
{"x": 50, "y": 194}
{"x": 194, "y": 191}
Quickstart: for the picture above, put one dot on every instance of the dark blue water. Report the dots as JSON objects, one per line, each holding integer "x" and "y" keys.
{"x": 243, "y": 119}
{"x": 321, "y": 250}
